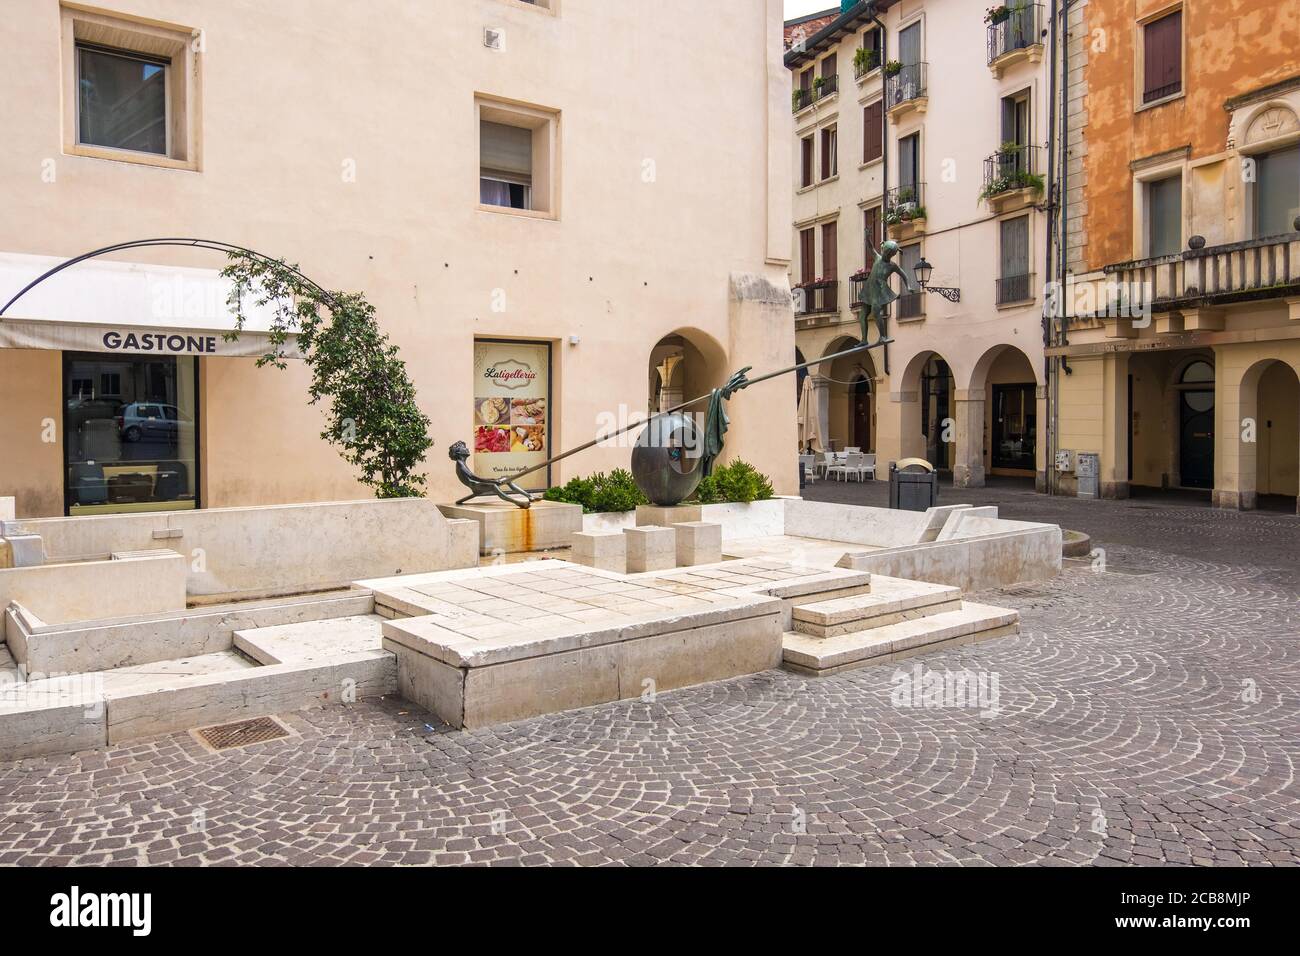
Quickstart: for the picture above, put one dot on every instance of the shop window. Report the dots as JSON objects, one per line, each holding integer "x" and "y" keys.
{"x": 1015, "y": 426}
{"x": 518, "y": 153}
{"x": 131, "y": 89}
{"x": 132, "y": 445}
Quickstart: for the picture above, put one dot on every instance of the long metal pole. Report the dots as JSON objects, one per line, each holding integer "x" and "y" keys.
{"x": 677, "y": 408}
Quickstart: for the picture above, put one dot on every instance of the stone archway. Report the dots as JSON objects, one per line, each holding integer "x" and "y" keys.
{"x": 1260, "y": 437}
{"x": 847, "y": 388}
{"x": 683, "y": 365}
{"x": 928, "y": 406}
{"x": 998, "y": 418}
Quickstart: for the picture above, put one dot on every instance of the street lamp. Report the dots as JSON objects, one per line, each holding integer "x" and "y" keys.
{"x": 922, "y": 270}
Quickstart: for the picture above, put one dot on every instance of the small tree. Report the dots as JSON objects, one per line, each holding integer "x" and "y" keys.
{"x": 371, "y": 413}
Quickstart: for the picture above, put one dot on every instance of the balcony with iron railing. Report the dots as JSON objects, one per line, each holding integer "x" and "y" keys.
{"x": 905, "y": 88}
{"x": 819, "y": 297}
{"x": 911, "y": 306}
{"x": 865, "y": 60}
{"x": 1009, "y": 290}
{"x": 1200, "y": 279}
{"x": 1015, "y": 34}
{"x": 905, "y": 210}
{"x": 801, "y": 99}
{"x": 1011, "y": 177}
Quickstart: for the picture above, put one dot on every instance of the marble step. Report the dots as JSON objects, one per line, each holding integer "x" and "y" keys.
{"x": 891, "y": 600}
{"x": 312, "y": 640}
{"x": 970, "y": 622}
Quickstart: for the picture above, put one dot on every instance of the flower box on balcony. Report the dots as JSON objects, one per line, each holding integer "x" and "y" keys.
{"x": 1015, "y": 35}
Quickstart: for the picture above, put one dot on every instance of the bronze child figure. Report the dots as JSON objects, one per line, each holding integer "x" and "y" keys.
{"x": 877, "y": 294}
{"x": 484, "y": 487}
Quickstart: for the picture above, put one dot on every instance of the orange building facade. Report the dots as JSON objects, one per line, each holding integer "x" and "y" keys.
{"x": 1175, "y": 350}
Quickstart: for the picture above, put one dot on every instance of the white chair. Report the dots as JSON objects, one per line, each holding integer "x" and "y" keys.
{"x": 809, "y": 463}
{"x": 824, "y": 465}
{"x": 851, "y": 465}
{"x": 869, "y": 466}
{"x": 853, "y": 449}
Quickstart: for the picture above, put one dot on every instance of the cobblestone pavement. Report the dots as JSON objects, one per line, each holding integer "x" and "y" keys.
{"x": 1148, "y": 713}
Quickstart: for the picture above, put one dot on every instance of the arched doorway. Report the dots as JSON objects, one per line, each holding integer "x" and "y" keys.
{"x": 938, "y": 426}
{"x": 850, "y": 386}
{"x": 1005, "y": 381}
{"x": 1264, "y": 450}
{"x": 1195, "y": 390}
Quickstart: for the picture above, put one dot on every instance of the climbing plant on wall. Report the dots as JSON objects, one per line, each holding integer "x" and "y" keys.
{"x": 371, "y": 414}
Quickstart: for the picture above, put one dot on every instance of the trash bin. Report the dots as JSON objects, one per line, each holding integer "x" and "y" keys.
{"x": 913, "y": 485}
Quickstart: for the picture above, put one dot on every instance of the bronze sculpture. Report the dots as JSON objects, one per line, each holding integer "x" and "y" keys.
{"x": 478, "y": 487}
{"x": 877, "y": 294}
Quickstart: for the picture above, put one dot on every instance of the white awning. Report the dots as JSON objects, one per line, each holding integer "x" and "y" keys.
{"x": 131, "y": 308}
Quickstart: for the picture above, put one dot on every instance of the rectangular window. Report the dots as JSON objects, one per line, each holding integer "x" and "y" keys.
{"x": 122, "y": 100}
{"x": 830, "y": 149}
{"x": 808, "y": 255}
{"x": 132, "y": 447}
{"x": 806, "y": 161}
{"x": 871, "y": 234}
{"x": 512, "y": 409}
{"x": 1162, "y": 42}
{"x": 830, "y": 251}
{"x": 873, "y": 131}
{"x": 506, "y": 158}
{"x": 1277, "y": 191}
{"x": 130, "y": 89}
{"x": 830, "y": 71}
{"x": 518, "y": 153}
{"x": 909, "y": 160}
{"x": 1164, "y": 216}
{"x": 1013, "y": 268}
{"x": 909, "y": 303}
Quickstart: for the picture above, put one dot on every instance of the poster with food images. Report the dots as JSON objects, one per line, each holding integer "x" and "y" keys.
{"x": 512, "y": 429}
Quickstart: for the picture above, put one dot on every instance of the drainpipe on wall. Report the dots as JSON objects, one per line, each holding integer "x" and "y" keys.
{"x": 884, "y": 141}
{"x": 1055, "y": 200}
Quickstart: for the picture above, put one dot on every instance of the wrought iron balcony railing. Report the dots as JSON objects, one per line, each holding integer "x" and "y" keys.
{"x": 911, "y": 305}
{"x": 905, "y": 85}
{"x": 817, "y": 297}
{"x": 865, "y": 62}
{"x": 1014, "y": 289}
{"x": 905, "y": 203}
{"x": 1022, "y": 28}
{"x": 1012, "y": 168}
{"x": 801, "y": 98}
{"x": 830, "y": 84}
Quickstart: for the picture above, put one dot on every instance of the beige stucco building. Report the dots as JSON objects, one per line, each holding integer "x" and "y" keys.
{"x": 485, "y": 171}
{"x": 923, "y": 123}
{"x": 1180, "y": 345}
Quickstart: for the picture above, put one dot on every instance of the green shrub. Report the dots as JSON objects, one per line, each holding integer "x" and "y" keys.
{"x": 737, "y": 481}
{"x": 616, "y": 491}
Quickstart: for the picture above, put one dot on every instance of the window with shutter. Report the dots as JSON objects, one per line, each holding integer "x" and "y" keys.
{"x": 807, "y": 255}
{"x": 1162, "y": 57}
{"x": 830, "y": 251}
{"x": 873, "y": 131}
{"x": 806, "y": 179}
{"x": 830, "y": 161}
{"x": 506, "y": 165}
{"x": 871, "y": 234}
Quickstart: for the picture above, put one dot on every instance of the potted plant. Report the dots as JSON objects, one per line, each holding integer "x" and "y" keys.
{"x": 998, "y": 14}
{"x": 865, "y": 60}
{"x": 893, "y": 68}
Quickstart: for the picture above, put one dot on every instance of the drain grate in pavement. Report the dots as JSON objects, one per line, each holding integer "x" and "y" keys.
{"x": 242, "y": 733}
